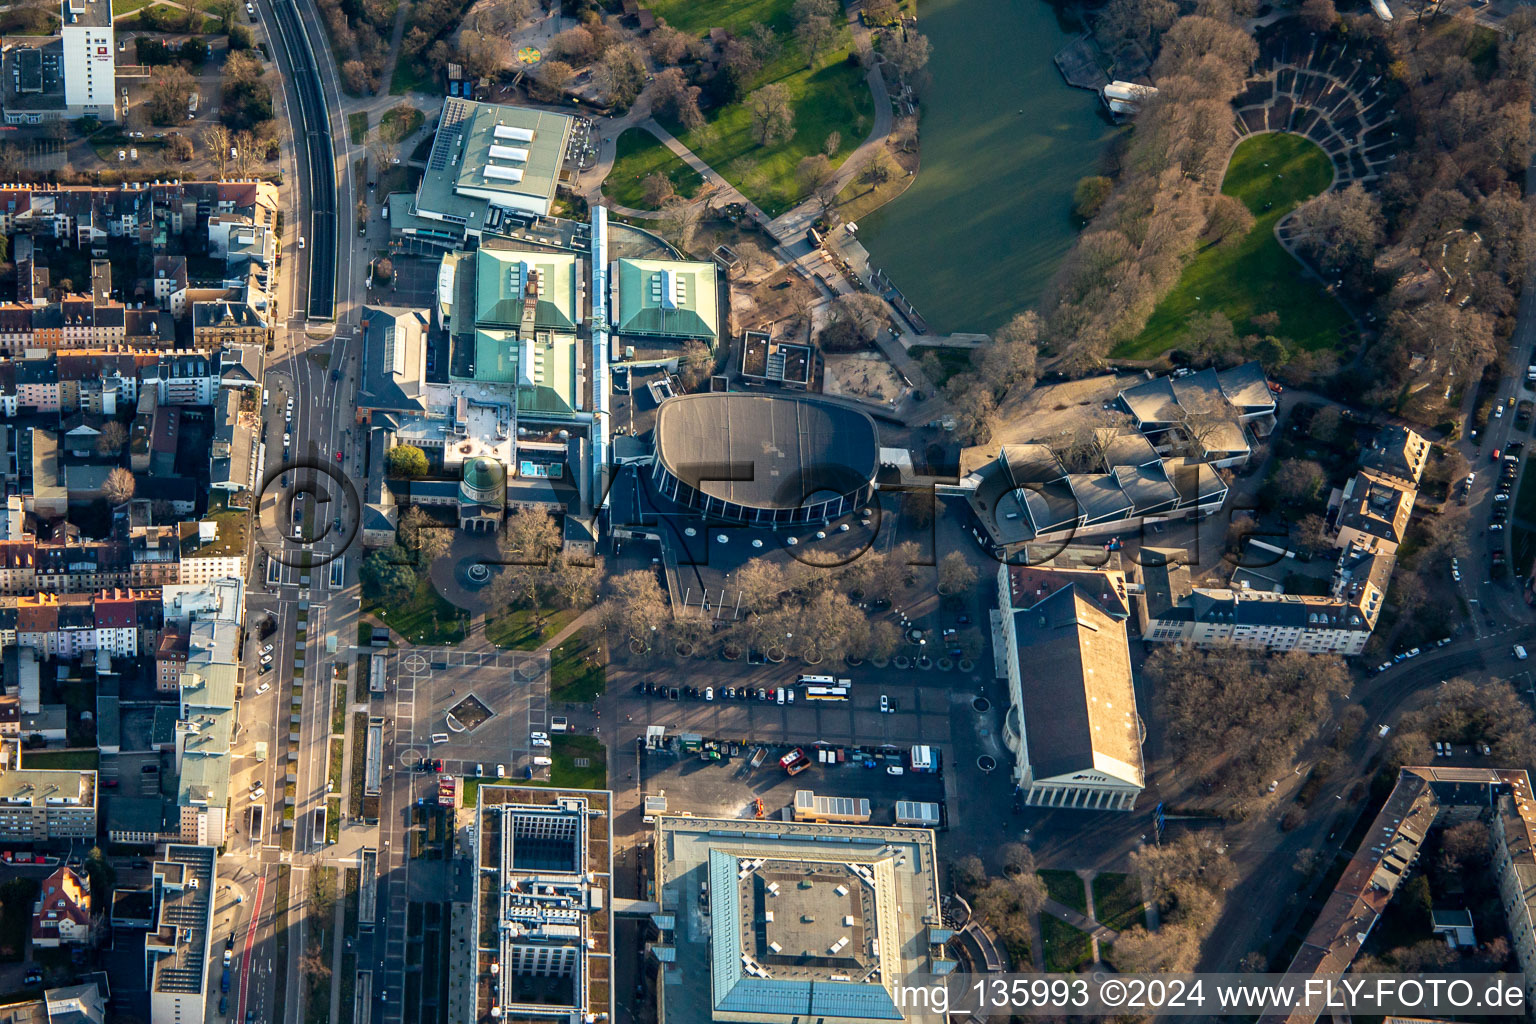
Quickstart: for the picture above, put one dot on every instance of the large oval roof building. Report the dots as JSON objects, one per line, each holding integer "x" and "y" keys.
{"x": 764, "y": 459}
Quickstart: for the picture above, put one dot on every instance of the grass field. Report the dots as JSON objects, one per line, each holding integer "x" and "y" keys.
{"x": 832, "y": 96}
{"x": 577, "y": 669}
{"x": 62, "y": 760}
{"x": 1066, "y": 888}
{"x": 639, "y": 155}
{"x": 402, "y": 120}
{"x": 425, "y": 618}
{"x": 566, "y": 773}
{"x": 516, "y": 630}
{"x": 1066, "y": 948}
{"x": 409, "y": 76}
{"x": 357, "y": 127}
{"x": 1256, "y": 276}
{"x": 1117, "y": 900}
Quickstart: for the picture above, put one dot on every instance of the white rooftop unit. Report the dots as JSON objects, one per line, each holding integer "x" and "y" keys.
{"x": 515, "y": 134}
{"x": 509, "y": 153}
{"x": 504, "y": 173}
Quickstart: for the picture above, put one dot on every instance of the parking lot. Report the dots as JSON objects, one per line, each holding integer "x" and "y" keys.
{"x": 957, "y": 712}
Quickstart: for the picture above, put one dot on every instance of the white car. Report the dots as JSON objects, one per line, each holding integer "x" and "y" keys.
{"x": 885, "y": 704}
{"x": 1498, "y": 412}
{"x": 1501, "y": 497}
{"x": 250, "y": 9}
{"x": 267, "y": 649}
{"x": 298, "y": 531}
{"x": 263, "y": 688}
{"x": 542, "y": 762}
{"x": 259, "y": 792}
{"x": 895, "y": 769}
{"x": 266, "y": 659}
{"x": 301, "y": 245}
{"x": 501, "y": 771}
{"x": 538, "y": 739}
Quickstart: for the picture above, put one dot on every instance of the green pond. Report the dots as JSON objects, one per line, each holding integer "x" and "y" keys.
{"x": 1004, "y": 141}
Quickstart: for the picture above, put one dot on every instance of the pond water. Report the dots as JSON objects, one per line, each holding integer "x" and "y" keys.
{"x": 1004, "y": 142}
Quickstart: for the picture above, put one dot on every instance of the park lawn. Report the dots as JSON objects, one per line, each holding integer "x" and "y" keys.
{"x": 566, "y": 774}
{"x": 577, "y": 668}
{"x": 832, "y": 96}
{"x": 424, "y": 618}
{"x": 1256, "y": 276}
{"x": 123, "y": 8}
{"x": 695, "y": 17}
{"x": 1117, "y": 901}
{"x": 639, "y": 155}
{"x": 516, "y": 630}
{"x": 409, "y": 76}
{"x": 403, "y": 121}
{"x": 1066, "y": 888}
{"x": 357, "y": 127}
{"x": 1066, "y": 948}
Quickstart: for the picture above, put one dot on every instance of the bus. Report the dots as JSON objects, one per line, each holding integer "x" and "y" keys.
{"x": 816, "y": 681}
{"x": 826, "y": 693}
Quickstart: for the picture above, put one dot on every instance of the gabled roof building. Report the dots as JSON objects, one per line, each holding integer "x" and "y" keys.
{"x": 1072, "y": 722}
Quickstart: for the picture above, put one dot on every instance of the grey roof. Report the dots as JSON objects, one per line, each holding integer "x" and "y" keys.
{"x": 1397, "y": 451}
{"x": 1246, "y": 386}
{"x": 1165, "y": 583}
{"x": 1239, "y": 391}
{"x": 394, "y": 358}
{"x": 1148, "y": 487}
{"x": 765, "y": 451}
{"x": 1100, "y": 497}
{"x": 1079, "y": 703}
{"x": 134, "y": 813}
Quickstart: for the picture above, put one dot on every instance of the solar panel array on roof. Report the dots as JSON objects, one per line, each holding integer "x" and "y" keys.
{"x": 448, "y": 131}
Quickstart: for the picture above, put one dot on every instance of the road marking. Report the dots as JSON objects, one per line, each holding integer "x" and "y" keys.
{"x": 250, "y": 943}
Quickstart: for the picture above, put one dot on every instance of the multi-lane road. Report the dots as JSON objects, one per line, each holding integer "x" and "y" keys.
{"x": 310, "y": 119}
{"x": 315, "y": 363}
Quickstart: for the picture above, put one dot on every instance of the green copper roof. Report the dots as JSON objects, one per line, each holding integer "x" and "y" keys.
{"x": 667, "y": 299}
{"x": 543, "y": 368}
{"x": 480, "y": 473}
{"x": 501, "y": 275}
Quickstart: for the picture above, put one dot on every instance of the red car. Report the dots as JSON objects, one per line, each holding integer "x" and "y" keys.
{"x": 338, "y": 456}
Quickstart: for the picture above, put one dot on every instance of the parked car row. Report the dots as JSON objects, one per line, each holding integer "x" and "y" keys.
{"x": 779, "y": 694}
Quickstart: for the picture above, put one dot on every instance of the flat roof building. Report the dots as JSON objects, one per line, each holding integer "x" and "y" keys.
{"x": 176, "y": 950}
{"x": 39, "y": 804}
{"x": 673, "y": 299}
{"x": 543, "y": 892}
{"x": 765, "y": 460}
{"x": 775, "y": 922}
{"x": 489, "y": 160}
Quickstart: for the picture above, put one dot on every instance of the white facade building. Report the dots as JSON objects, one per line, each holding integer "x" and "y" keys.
{"x": 90, "y": 77}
